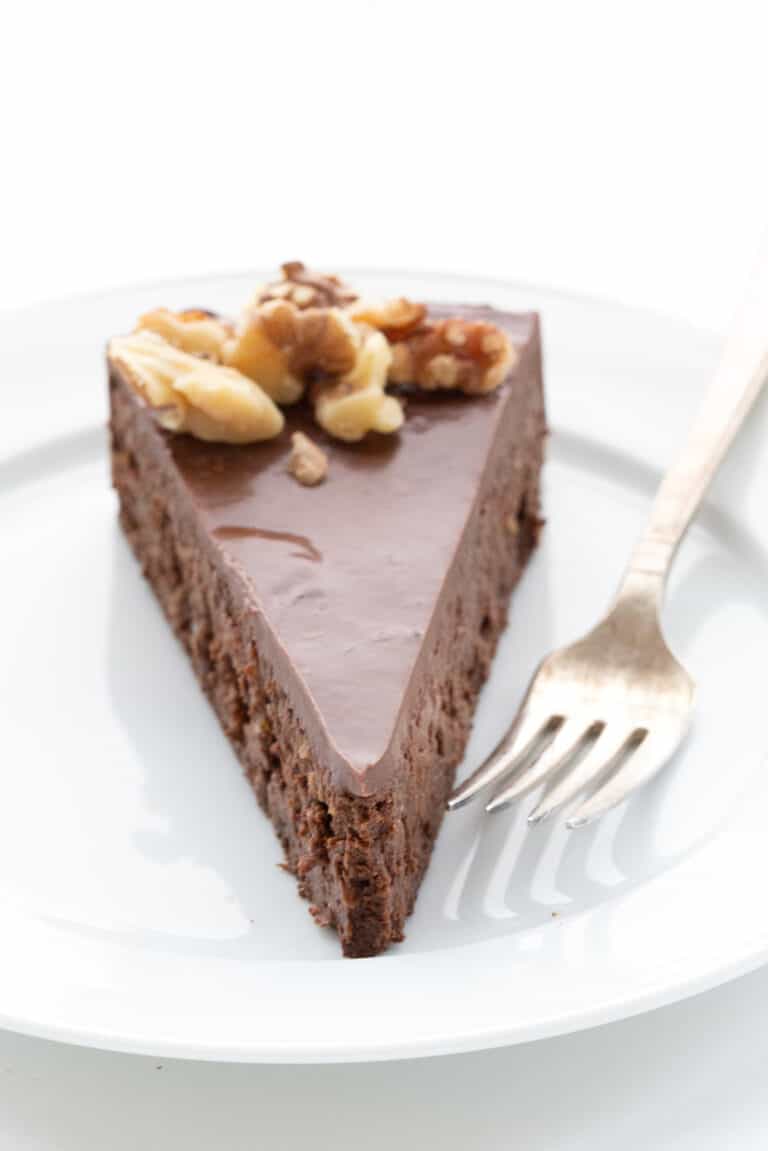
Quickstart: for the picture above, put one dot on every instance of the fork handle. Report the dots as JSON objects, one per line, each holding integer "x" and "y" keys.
{"x": 741, "y": 374}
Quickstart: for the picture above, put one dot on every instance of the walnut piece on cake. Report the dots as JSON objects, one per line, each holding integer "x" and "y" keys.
{"x": 254, "y": 352}
{"x": 279, "y": 344}
{"x": 395, "y": 318}
{"x": 356, "y": 403}
{"x": 306, "y": 289}
{"x": 308, "y": 462}
{"x": 194, "y": 330}
{"x": 317, "y": 340}
{"x": 465, "y": 355}
{"x": 194, "y": 395}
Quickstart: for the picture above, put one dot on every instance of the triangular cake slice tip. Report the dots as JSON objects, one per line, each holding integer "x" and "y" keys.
{"x": 343, "y": 632}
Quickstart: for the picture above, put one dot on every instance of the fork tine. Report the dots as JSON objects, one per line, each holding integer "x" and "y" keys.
{"x": 527, "y": 729}
{"x": 604, "y": 754}
{"x": 570, "y": 735}
{"x": 651, "y": 753}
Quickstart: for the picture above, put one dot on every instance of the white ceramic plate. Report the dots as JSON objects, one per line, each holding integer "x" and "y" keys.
{"x": 142, "y": 906}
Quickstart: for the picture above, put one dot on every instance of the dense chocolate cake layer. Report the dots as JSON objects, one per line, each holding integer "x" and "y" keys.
{"x": 343, "y": 632}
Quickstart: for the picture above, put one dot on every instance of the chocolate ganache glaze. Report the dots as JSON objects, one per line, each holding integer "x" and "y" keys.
{"x": 345, "y": 578}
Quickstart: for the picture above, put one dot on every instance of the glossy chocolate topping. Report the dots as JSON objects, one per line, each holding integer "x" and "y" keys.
{"x": 348, "y": 574}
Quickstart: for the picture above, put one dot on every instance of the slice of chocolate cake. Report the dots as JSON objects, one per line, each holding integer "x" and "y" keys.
{"x": 343, "y": 631}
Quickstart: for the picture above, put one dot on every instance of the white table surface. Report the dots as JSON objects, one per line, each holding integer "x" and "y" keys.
{"x": 606, "y": 148}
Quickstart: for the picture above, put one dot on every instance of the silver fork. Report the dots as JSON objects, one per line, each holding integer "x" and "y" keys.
{"x": 603, "y": 715}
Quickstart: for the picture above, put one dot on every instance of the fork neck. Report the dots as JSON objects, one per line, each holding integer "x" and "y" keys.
{"x": 642, "y": 587}
{"x": 654, "y": 553}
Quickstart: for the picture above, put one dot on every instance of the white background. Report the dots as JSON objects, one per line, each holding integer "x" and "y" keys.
{"x": 616, "y": 149}
{"x": 608, "y": 147}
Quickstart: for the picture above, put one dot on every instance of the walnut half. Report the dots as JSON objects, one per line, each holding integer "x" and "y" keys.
{"x": 279, "y": 345}
{"x": 189, "y": 394}
{"x": 467, "y": 355}
{"x": 318, "y": 340}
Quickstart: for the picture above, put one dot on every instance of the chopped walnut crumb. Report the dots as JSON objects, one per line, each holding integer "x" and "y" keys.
{"x": 307, "y": 289}
{"x": 468, "y": 355}
{"x": 308, "y": 462}
{"x": 356, "y": 403}
{"x": 190, "y": 394}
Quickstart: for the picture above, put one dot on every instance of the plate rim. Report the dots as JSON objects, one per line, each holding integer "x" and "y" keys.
{"x": 598, "y": 299}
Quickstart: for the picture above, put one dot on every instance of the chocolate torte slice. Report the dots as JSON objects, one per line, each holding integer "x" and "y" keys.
{"x": 343, "y": 631}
